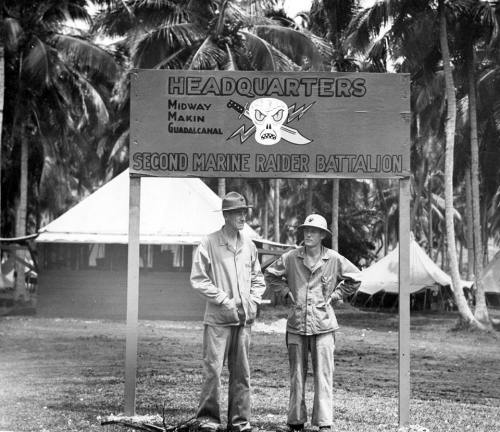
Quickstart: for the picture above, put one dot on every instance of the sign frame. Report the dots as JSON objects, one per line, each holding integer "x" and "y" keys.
{"x": 138, "y": 123}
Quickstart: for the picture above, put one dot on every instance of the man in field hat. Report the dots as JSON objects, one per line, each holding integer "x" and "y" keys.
{"x": 226, "y": 272}
{"x": 313, "y": 277}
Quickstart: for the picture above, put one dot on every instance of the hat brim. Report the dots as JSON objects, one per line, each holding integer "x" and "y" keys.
{"x": 236, "y": 208}
{"x": 314, "y": 226}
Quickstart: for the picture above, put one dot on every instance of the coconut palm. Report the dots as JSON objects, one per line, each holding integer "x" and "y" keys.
{"x": 406, "y": 25}
{"x": 48, "y": 84}
{"x": 214, "y": 35}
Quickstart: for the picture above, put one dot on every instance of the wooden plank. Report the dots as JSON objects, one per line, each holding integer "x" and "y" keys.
{"x": 404, "y": 301}
{"x": 132, "y": 295}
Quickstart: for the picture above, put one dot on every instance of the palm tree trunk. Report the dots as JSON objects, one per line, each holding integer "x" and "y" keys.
{"x": 469, "y": 231}
{"x": 265, "y": 222}
{"x": 277, "y": 210}
{"x": 484, "y": 228}
{"x": 463, "y": 307}
{"x": 335, "y": 214}
{"x": 21, "y": 211}
{"x": 430, "y": 234}
{"x": 309, "y": 197}
{"x": 419, "y": 180}
{"x": 221, "y": 187}
{"x": 481, "y": 311}
{"x": 2, "y": 93}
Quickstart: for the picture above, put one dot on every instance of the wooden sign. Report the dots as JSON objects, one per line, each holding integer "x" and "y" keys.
{"x": 258, "y": 124}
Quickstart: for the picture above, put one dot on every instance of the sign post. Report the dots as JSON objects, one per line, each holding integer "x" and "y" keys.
{"x": 404, "y": 301}
{"x": 132, "y": 295}
{"x": 272, "y": 125}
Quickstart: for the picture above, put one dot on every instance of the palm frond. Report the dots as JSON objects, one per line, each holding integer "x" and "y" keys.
{"x": 114, "y": 23}
{"x": 368, "y": 22}
{"x": 207, "y": 56}
{"x": 150, "y": 49}
{"x": 230, "y": 64}
{"x": 86, "y": 55}
{"x": 12, "y": 32}
{"x": 173, "y": 61}
{"x": 155, "y": 13}
{"x": 235, "y": 14}
{"x": 95, "y": 100}
{"x": 263, "y": 56}
{"x": 260, "y": 52}
{"x": 296, "y": 45}
{"x": 36, "y": 62}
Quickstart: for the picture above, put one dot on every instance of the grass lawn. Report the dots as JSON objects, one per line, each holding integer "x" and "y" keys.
{"x": 65, "y": 374}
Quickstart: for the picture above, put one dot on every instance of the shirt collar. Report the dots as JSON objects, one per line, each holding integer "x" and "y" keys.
{"x": 324, "y": 253}
{"x": 223, "y": 241}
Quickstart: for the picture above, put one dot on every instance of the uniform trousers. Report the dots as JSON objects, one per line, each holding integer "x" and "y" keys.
{"x": 229, "y": 343}
{"x": 321, "y": 347}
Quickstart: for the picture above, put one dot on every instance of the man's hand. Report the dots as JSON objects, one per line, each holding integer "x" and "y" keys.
{"x": 229, "y": 303}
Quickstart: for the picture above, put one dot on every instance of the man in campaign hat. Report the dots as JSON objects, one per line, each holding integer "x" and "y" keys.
{"x": 226, "y": 272}
{"x": 313, "y": 277}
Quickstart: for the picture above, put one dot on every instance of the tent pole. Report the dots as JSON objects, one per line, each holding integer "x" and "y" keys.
{"x": 404, "y": 301}
{"x": 132, "y": 295}
{"x": 381, "y": 304}
{"x": 367, "y": 300}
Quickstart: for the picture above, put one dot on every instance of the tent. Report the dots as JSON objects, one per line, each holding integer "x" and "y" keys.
{"x": 382, "y": 276}
{"x": 491, "y": 281}
{"x": 173, "y": 211}
{"x": 83, "y": 253}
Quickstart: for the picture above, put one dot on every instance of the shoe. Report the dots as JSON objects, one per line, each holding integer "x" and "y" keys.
{"x": 291, "y": 428}
{"x": 325, "y": 429}
{"x": 207, "y": 426}
{"x": 207, "y": 429}
{"x": 247, "y": 428}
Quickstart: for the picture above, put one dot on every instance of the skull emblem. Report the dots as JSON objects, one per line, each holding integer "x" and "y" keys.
{"x": 268, "y": 115}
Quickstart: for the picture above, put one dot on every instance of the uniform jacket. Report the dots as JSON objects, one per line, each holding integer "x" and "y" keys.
{"x": 220, "y": 272}
{"x": 312, "y": 290}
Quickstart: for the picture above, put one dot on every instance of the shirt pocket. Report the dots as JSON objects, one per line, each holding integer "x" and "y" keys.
{"x": 223, "y": 315}
{"x": 323, "y": 314}
{"x": 295, "y": 317}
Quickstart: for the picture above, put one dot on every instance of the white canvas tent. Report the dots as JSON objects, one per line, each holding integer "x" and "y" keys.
{"x": 173, "y": 211}
{"x": 491, "y": 276}
{"x": 383, "y": 275}
{"x": 83, "y": 253}
{"x": 491, "y": 281}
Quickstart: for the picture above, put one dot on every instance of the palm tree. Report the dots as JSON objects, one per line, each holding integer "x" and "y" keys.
{"x": 2, "y": 93}
{"x": 329, "y": 19}
{"x": 478, "y": 25}
{"x": 48, "y": 78}
{"x": 214, "y": 35}
{"x": 409, "y": 25}
{"x": 450, "y": 141}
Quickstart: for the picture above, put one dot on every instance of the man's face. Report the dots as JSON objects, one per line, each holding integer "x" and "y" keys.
{"x": 313, "y": 236}
{"x": 236, "y": 218}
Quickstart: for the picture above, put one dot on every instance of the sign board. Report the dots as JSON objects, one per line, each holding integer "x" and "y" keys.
{"x": 258, "y": 124}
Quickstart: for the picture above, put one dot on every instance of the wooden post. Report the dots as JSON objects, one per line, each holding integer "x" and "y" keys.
{"x": 404, "y": 301}
{"x": 132, "y": 295}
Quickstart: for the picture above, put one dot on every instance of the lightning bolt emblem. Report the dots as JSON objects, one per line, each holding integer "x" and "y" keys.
{"x": 297, "y": 113}
{"x": 243, "y": 132}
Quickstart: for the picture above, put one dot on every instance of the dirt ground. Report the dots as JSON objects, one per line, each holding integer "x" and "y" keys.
{"x": 68, "y": 374}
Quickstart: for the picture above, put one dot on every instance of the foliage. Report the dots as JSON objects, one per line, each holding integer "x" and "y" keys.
{"x": 57, "y": 98}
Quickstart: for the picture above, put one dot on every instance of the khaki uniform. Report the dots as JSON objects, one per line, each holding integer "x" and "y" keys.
{"x": 311, "y": 324}
{"x": 221, "y": 272}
